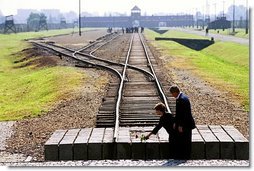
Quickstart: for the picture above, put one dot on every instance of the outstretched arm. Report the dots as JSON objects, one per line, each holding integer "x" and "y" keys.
{"x": 147, "y": 137}
{"x": 155, "y": 130}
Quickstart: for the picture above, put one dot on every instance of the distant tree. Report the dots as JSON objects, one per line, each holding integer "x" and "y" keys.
{"x": 33, "y": 20}
{"x": 43, "y": 16}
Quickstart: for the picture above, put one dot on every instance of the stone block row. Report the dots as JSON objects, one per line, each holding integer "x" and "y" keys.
{"x": 208, "y": 142}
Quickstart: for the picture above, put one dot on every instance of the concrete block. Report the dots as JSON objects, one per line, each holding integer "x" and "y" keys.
{"x": 197, "y": 145}
{"x": 242, "y": 150}
{"x": 123, "y": 143}
{"x": 95, "y": 144}
{"x": 212, "y": 147}
{"x": 66, "y": 144}
{"x": 226, "y": 142}
{"x": 164, "y": 144}
{"x": 241, "y": 143}
{"x": 152, "y": 147}
{"x": 138, "y": 148}
{"x": 51, "y": 146}
{"x": 109, "y": 150}
{"x": 81, "y": 144}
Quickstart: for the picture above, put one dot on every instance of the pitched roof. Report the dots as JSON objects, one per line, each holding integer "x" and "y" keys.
{"x": 136, "y": 8}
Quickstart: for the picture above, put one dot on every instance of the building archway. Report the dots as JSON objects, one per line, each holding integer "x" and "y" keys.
{"x": 135, "y": 23}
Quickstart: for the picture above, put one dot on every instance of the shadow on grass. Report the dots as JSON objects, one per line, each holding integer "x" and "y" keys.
{"x": 195, "y": 44}
{"x": 157, "y": 30}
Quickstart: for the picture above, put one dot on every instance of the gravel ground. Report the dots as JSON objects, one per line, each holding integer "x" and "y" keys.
{"x": 138, "y": 163}
{"x": 114, "y": 50}
{"x": 75, "y": 41}
{"x": 5, "y": 131}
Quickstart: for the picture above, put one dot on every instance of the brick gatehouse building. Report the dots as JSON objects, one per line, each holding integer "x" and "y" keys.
{"x": 136, "y": 20}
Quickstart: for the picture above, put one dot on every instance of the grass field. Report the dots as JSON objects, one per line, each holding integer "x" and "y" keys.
{"x": 225, "y": 65}
{"x": 239, "y": 32}
{"x": 29, "y": 91}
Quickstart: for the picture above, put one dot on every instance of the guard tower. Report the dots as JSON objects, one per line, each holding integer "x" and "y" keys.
{"x": 75, "y": 24}
{"x": 63, "y": 23}
{"x": 9, "y": 24}
{"x": 43, "y": 23}
{"x": 136, "y": 12}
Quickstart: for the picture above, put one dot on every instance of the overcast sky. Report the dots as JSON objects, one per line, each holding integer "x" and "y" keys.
{"x": 9, "y": 7}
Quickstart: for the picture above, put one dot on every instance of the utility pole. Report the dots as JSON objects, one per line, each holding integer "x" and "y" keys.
{"x": 234, "y": 17}
{"x": 247, "y": 17}
{"x": 214, "y": 11}
{"x": 79, "y": 17}
{"x": 207, "y": 10}
{"x": 223, "y": 8}
{"x": 203, "y": 26}
{"x": 197, "y": 17}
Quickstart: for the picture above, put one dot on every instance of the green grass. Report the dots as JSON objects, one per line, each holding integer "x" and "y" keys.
{"x": 224, "y": 65}
{"x": 30, "y": 91}
{"x": 177, "y": 34}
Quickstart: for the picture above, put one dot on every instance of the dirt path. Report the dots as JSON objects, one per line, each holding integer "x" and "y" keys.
{"x": 75, "y": 41}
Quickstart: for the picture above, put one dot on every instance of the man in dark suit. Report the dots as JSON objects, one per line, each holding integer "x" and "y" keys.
{"x": 183, "y": 125}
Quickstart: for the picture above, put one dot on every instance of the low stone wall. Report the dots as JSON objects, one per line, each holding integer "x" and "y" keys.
{"x": 208, "y": 142}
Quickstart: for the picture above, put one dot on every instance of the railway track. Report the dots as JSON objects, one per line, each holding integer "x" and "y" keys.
{"x": 137, "y": 94}
{"x": 131, "y": 97}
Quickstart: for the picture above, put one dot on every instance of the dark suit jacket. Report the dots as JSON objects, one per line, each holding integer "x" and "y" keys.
{"x": 183, "y": 113}
{"x": 166, "y": 121}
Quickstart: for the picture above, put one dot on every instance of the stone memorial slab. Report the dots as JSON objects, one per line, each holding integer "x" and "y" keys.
{"x": 80, "y": 146}
{"x": 95, "y": 144}
{"x": 66, "y": 144}
{"x": 226, "y": 142}
{"x": 241, "y": 143}
{"x": 212, "y": 147}
{"x": 51, "y": 146}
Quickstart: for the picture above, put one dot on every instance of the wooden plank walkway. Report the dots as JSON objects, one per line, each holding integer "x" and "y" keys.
{"x": 208, "y": 142}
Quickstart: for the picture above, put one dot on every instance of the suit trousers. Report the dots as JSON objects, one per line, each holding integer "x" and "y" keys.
{"x": 180, "y": 145}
